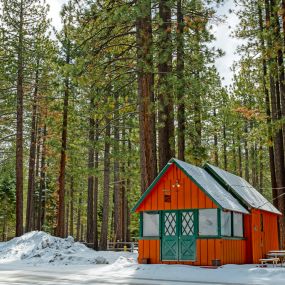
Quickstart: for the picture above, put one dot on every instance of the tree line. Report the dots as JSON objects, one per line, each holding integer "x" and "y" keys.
{"x": 91, "y": 112}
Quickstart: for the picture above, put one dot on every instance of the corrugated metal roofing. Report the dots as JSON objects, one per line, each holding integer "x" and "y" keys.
{"x": 242, "y": 189}
{"x": 211, "y": 186}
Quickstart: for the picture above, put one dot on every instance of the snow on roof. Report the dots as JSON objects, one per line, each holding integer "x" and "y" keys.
{"x": 211, "y": 186}
{"x": 242, "y": 189}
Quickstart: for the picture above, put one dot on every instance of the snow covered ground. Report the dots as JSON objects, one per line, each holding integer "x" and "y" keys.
{"x": 38, "y": 258}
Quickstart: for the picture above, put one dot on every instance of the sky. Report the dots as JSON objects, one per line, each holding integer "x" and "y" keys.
{"x": 222, "y": 33}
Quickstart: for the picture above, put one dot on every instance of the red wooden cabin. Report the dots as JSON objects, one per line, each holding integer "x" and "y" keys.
{"x": 193, "y": 215}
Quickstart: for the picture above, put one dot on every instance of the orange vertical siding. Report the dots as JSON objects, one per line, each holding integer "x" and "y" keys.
{"x": 266, "y": 240}
{"x": 189, "y": 196}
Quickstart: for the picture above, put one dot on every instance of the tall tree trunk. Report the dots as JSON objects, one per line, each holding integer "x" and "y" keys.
{"x": 42, "y": 188}
{"x": 225, "y": 147}
{"x": 61, "y": 179}
{"x": 234, "y": 160}
{"x": 5, "y": 218}
{"x": 267, "y": 104}
{"x": 181, "y": 82}
{"x": 261, "y": 167}
{"x": 96, "y": 188}
{"x": 106, "y": 193}
{"x": 246, "y": 153}
{"x": 90, "y": 206}
{"x": 278, "y": 45}
{"x": 32, "y": 160}
{"x": 165, "y": 93}
{"x": 71, "y": 227}
{"x": 19, "y": 131}
{"x": 66, "y": 230}
{"x": 216, "y": 148}
{"x": 148, "y": 158}
{"x": 78, "y": 222}
{"x": 239, "y": 156}
{"x": 197, "y": 137}
{"x": 276, "y": 115}
{"x": 129, "y": 188}
{"x": 117, "y": 187}
{"x": 124, "y": 198}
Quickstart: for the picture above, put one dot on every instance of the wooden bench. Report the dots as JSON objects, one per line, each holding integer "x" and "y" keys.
{"x": 273, "y": 260}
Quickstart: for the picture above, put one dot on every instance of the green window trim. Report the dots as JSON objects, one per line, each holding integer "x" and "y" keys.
{"x": 150, "y": 238}
{"x": 232, "y": 236}
{"x": 141, "y": 224}
{"x": 196, "y": 213}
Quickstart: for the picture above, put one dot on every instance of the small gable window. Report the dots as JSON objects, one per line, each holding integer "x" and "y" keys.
{"x": 208, "y": 222}
{"x": 150, "y": 224}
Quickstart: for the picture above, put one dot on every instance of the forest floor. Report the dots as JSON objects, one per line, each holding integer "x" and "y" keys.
{"x": 38, "y": 258}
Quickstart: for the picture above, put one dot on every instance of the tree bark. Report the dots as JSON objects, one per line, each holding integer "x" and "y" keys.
{"x": 90, "y": 206}
{"x": 61, "y": 179}
{"x": 42, "y": 190}
{"x": 19, "y": 128}
{"x": 66, "y": 230}
{"x": 165, "y": 91}
{"x": 106, "y": 193}
{"x": 216, "y": 147}
{"x": 96, "y": 188}
{"x": 225, "y": 147}
{"x": 78, "y": 223}
{"x": 118, "y": 235}
{"x": 181, "y": 82}
{"x": 71, "y": 227}
{"x": 32, "y": 160}
{"x": 246, "y": 154}
{"x": 267, "y": 104}
{"x": 148, "y": 158}
{"x": 276, "y": 115}
{"x": 239, "y": 157}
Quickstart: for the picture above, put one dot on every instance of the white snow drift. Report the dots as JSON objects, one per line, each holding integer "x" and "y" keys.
{"x": 31, "y": 258}
{"x": 38, "y": 248}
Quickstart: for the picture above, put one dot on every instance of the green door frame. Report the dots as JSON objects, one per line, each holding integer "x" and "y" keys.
{"x": 187, "y": 243}
{"x": 169, "y": 242}
{"x": 171, "y": 248}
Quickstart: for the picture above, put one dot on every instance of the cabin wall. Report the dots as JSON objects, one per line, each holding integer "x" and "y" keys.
{"x": 229, "y": 251}
{"x": 187, "y": 196}
{"x": 266, "y": 240}
{"x": 247, "y": 225}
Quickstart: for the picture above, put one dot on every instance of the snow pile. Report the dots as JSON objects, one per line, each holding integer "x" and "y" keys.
{"x": 41, "y": 248}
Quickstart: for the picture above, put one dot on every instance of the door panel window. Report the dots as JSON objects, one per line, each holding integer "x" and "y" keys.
{"x": 187, "y": 221}
{"x": 170, "y": 224}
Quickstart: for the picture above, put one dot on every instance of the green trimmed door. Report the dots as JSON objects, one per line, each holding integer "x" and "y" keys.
{"x": 178, "y": 240}
{"x": 187, "y": 235}
{"x": 169, "y": 242}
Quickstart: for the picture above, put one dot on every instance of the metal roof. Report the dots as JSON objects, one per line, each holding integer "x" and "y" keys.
{"x": 242, "y": 189}
{"x": 208, "y": 184}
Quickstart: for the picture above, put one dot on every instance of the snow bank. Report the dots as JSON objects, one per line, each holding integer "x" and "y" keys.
{"x": 38, "y": 248}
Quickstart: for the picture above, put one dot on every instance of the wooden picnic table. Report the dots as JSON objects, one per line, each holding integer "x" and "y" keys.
{"x": 277, "y": 254}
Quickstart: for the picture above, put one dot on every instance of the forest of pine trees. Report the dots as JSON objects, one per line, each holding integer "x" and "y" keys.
{"x": 91, "y": 111}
